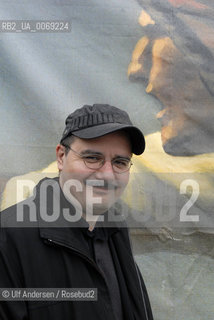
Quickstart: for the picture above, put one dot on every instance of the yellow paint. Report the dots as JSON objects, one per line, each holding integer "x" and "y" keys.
{"x": 145, "y": 19}
{"x": 149, "y": 88}
{"x": 162, "y": 52}
{"x": 172, "y": 170}
{"x": 9, "y": 194}
{"x": 134, "y": 65}
{"x": 156, "y": 160}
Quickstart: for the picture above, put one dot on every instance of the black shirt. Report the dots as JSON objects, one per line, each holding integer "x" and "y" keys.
{"x": 98, "y": 241}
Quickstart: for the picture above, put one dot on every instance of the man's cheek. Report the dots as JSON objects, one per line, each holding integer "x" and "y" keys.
{"x": 124, "y": 182}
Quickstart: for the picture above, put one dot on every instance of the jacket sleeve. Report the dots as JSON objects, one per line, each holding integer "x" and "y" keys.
{"x": 145, "y": 294}
{"x": 9, "y": 278}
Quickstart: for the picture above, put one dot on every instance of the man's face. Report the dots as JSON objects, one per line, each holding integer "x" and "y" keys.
{"x": 72, "y": 166}
{"x": 187, "y": 105}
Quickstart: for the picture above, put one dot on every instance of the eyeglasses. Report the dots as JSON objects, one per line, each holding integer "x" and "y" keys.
{"x": 96, "y": 161}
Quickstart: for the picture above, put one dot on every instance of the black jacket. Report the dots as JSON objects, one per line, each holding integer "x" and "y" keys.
{"x": 44, "y": 257}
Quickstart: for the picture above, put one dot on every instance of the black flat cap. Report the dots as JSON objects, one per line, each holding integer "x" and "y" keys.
{"x": 100, "y": 119}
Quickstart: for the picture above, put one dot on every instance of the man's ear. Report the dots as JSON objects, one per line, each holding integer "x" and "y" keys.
{"x": 60, "y": 156}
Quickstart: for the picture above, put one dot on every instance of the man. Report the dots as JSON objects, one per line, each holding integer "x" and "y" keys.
{"x": 77, "y": 246}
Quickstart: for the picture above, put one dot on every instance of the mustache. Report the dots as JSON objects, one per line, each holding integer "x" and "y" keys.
{"x": 104, "y": 184}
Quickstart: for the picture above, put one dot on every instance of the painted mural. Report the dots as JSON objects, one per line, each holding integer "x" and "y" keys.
{"x": 173, "y": 60}
{"x": 155, "y": 59}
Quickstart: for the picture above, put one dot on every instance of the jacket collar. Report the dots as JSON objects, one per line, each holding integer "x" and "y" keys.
{"x": 70, "y": 234}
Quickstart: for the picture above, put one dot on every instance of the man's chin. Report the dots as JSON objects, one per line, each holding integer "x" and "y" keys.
{"x": 104, "y": 204}
{"x": 106, "y": 195}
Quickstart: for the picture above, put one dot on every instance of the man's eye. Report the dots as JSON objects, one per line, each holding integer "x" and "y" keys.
{"x": 121, "y": 163}
{"x": 92, "y": 158}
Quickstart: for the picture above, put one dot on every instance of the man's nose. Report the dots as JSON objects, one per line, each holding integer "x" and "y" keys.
{"x": 106, "y": 171}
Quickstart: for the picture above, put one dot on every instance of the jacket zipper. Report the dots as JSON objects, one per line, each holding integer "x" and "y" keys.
{"x": 60, "y": 244}
{"x": 57, "y": 243}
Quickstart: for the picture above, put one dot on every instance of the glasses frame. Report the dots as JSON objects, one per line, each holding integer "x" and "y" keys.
{"x": 101, "y": 163}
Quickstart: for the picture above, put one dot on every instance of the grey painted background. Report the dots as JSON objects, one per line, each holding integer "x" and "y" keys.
{"x": 46, "y": 76}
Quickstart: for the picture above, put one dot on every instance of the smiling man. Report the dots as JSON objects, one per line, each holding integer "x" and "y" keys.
{"x": 94, "y": 158}
{"x": 105, "y": 170}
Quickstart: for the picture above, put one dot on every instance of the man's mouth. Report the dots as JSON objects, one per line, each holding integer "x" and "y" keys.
{"x": 101, "y": 190}
{"x": 101, "y": 185}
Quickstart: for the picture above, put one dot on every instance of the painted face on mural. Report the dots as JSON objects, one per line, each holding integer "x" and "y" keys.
{"x": 182, "y": 87}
